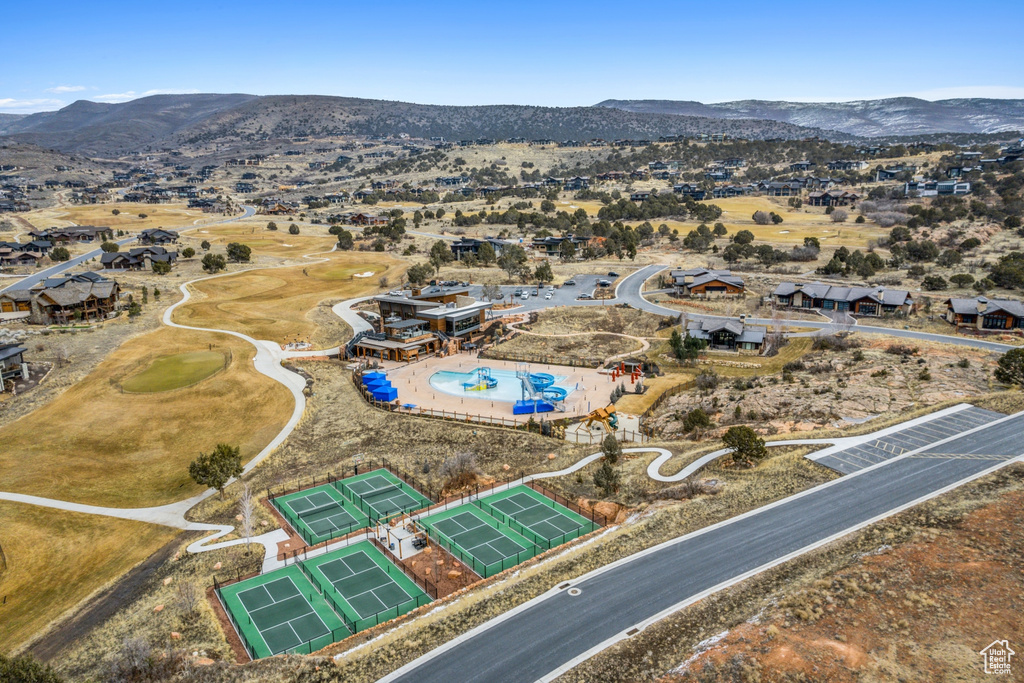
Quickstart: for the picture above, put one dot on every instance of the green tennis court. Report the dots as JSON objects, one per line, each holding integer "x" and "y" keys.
{"x": 538, "y": 514}
{"x": 364, "y": 586}
{"x": 281, "y": 612}
{"x": 480, "y": 539}
{"x": 320, "y": 514}
{"x": 381, "y": 494}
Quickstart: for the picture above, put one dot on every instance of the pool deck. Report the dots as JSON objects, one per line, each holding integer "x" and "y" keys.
{"x": 413, "y": 383}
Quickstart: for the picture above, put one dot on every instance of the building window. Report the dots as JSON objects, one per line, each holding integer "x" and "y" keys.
{"x": 994, "y": 322}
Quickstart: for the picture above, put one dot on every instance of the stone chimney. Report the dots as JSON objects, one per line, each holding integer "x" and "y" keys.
{"x": 881, "y": 295}
{"x": 982, "y": 304}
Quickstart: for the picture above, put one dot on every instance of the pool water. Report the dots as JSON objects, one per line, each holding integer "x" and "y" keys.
{"x": 509, "y": 388}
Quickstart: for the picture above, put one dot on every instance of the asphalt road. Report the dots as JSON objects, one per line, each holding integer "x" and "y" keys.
{"x": 559, "y": 630}
{"x": 36, "y": 278}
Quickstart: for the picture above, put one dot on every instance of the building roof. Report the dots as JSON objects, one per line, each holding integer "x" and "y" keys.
{"x": 10, "y": 351}
{"x": 404, "y": 324}
{"x": 820, "y": 290}
{"x": 705, "y": 327}
{"x": 77, "y": 292}
{"x": 971, "y": 306}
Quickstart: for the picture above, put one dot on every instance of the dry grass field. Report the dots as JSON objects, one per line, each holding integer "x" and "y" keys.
{"x": 172, "y": 216}
{"x": 275, "y": 303}
{"x": 796, "y": 223}
{"x": 254, "y": 234}
{"x": 94, "y": 444}
{"x": 57, "y": 559}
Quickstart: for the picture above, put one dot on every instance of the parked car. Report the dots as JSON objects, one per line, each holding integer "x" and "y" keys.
{"x": 604, "y": 283}
{"x": 569, "y": 283}
{"x": 518, "y": 292}
{"x": 584, "y": 295}
{"x": 612, "y": 273}
{"x": 525, "y": 296}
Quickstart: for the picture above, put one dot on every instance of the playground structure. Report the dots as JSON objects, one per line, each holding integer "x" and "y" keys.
{"x": 483, "y": 381}
{"x": 606, "y": 417}
{"x": 539, "y": 394}
{"x": 636, "y": 375}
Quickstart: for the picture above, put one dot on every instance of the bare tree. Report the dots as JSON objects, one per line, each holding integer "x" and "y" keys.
{"x": 839, "y": 216}
{"x": 248, "y": 512}
{"x": 492, "y": 292}
{"x": 383, "y": 281}
{"x": 188, "y": 598}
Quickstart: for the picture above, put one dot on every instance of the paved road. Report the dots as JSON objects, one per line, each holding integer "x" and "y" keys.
{"x": 59, "y": 268}
{"x": 556, "y": 631}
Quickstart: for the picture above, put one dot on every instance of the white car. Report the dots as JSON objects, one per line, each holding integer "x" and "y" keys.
{"x": 548, "y": 295}
{"x": 525, "y": 296}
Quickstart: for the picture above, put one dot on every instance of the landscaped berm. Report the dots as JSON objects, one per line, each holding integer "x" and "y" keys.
{"x": 311, "y": 604}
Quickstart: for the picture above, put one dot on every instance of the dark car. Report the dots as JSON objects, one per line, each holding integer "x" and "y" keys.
{"x": 604, "y": 283}
{"x": 612, "y": 273}
{"x": 569, "y": 283}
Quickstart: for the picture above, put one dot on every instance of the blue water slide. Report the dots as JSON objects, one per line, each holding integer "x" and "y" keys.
{"x": 555, "y": 393}
{"x": 541, "y": 380}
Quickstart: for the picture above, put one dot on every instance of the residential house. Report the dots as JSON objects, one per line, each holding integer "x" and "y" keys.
{"x": 158, "y": 236}
{"x": 12, "y": 364}
{"x": 75, "y": 233}
{"x": 577, "y": 183}
{"x": 780, "y": 189}
{"x": 832, "y": 198}
{"x": 936, "y": 188}
{"x": 847, "y": 165}
{"x": 867, "y": 301}
{"x": 894, "y": 172}
{"x": 984, "y": 314}
{"x": 551, "y": 245}
{"x": 692, "y": 190}
{"x": 70, "y": 302}
{"x": 640, "y": 195}
{"x": 471, "y": 246}
{"x": 141, "y": 258}
{"x": 728, "y": 334}
{"x": 707, "y": 283}
{"x": 802, "y": 166}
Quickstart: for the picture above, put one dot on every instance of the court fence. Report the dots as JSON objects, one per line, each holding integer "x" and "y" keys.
{"x": 428, "y": 586}
{"x": 594, "y": 515}
{"x": 483, "y": 570}
{"x": 345, "y": 473}
{"x": 249, "y": 649}
{"x": 536, "y": 539}
{"x": 306, "y": 535}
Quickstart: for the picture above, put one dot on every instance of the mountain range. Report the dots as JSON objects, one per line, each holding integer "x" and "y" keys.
{"x": 864, "y": 118}
{"x": 105, "y": 130}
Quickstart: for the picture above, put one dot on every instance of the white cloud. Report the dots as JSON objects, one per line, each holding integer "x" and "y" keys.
{"x": 13, "y": 106}
{"x": 132, "y": 95}
{"x": 60, "y": 89}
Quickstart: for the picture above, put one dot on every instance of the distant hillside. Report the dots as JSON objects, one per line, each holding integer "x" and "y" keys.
{"x": 866, "y": 118}
{"x": 7, "y": 120}
{"x": 105, "y": 130}
{"x": 98, "y": 129}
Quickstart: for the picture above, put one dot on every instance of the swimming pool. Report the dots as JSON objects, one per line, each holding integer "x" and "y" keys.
{"x": 508, "y": 389}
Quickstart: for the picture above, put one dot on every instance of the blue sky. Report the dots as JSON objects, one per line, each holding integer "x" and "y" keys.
{"x": 527, "y": 52}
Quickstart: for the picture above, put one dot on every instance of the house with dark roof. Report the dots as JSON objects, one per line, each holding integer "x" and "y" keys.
{"x": 731, "y": 334}
{"x": 867, "y": 301}
{"x": 707, "y": 283}
{"x": 74, "y": 233}
{"x": 984, "y": 314}
{"x": 158, "y": 236}
{"x": 71, "y": 301}
{"x": 832, "y": 198}
{"x": 471, "y": 246}
{"x": 12, "y": 364}
{"x": 801, "y": 166}
{"x": 141, "y": 258}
